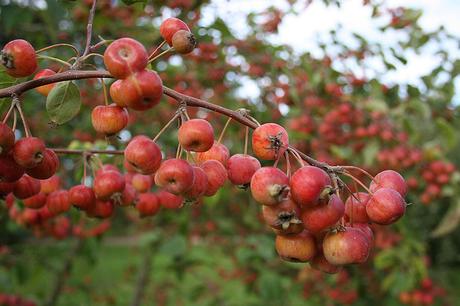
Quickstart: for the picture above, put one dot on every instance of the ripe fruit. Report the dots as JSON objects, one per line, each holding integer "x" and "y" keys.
{"x": 183, "y": 42}
{"x": 101, "y": 209}
{"x": 128, "y": 196}
{"x": 140, "y": 91}
{"x": 125, "y": 56}
{"x": 28, "y": 152}
{"x": 199, "y": 186}
{"x": 169, "y": 200}
{"x": 47, "y": 167}
{"x": 307, "y": 185}
{"x": 321, "y": 217}
{"x": 141, "y": 183}
{"x": 10, "y": 171}
{"x": 319, "y": 262}
{"x": 26, "y": 187}
{"x": 50, "y": 185}
{"x": 196, "y": 135}
{"x": 45, "y": 89}
{"x": 82, "y": 197}
{"x": 106, "y": 167}
{"x": 241, "y": 168}
{"x": 58, "y": 202}
{"x": 366, "y": 230}
{"x": 36, "y": 201}
{"x": 296, "y": 248}
{"x": 346, "y": 247}
{"x": 385, "y": 206}
{"x": 18, "y": 57}
{"x": 6, "y": 188}
{"x": 6, "y": 138}
{"x": 147, "y": 204}
{"x": 217, "y": 175}
{"x": 143, "y": 154}
{"x": 108, "y": 184}
{"x": 389, "y": 179}
{"x": 175, "y": 176}
{"x": 109, "y": 119}
{"x": 355, "y": 208}
{"x": 269, "y": 186}
{"x": 269, "y": 141}
{"x": 171, "y": 26}
{"x": 217, "y": 152}
{"x": 283, "y": 218}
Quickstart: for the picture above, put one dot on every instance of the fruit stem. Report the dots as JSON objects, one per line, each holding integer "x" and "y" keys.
{"x": 359, "y": 169}
{"x": 56, "y": 46}
{"x": 288, "y": 164}
{"x": 104, "y": 88}
{"x": 23, "y": 118}
{"x": 10, "y": 110}
{"x": 296, "y": 156}
{"x": 82, "y": 59}
{"x": 161, "y": 54}
{"x": 156, "y": 49}
{"x": 176, "y": 115}
{"x": 51, "y": 58}
{"x": 358, "y": 181}
{"x": 223, "y": 130}
{"x": 85, "y": 156}
{"x": 15, "y": 120}
{"x": 246, "y": 140}
{"x": 100, "y": 43}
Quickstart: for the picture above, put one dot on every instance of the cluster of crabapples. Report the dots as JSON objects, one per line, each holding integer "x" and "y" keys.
{"x": 305, "y": 209}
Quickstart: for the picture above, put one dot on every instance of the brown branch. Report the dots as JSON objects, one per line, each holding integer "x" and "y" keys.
{"x": 63, "y": 274}
{"x": 89, "y": 28}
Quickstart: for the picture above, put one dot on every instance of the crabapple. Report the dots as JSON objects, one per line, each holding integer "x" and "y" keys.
{"x": 196, "y": 135}
{"x": 389, "y": 179}
{"x": 269, "y": 186}
{"x": 171, "y": 26}
{"x": 346, "y": 246}
{"x": 109, "y": 119}
{"x": 175, "y": 176}
{"x": 45, "y": 89}
{"x": 108, "y": 184}
{"x": 269, "y": 141}
{"x": 18, "y": 57}
{"x": 385, "y": 206}
{"x": 283, "y": 218}
{"x": 217, "y": 175}
{"x": 307, "y": 185}
{"x": 28, "y": 152}
{"x": 143, "y": 154}
{"x": 82, "y": 197}
{"x": 218, "y": 152}
{"x": 125, "y": 56}
{"x": 321, "y": 217}
{"x": 241, "y": 168}
{"x": 147, "y": 204}
{"x": 47, "y": 167}
{"x": 299, "y": 247}
{"x": 355, "y": 207}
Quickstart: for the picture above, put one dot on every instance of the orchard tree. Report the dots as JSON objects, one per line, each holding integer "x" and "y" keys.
{"x": 323, "y": 211}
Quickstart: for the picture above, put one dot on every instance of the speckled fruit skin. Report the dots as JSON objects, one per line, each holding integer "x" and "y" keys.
{"x": 169, "y": 200}
{"x": 321, "y": 217}
{"x": 47, "y": 167}
{"x": 389, "y": 179}
{"x": 7, "y": 138}
{"x": 147, "y": 204}
{"x": 171, "y": 26}
{"x": 107, "y": 184}
{"x": 217, "y": 152}
{"x": 140, "y": 91}
{"x": 125, "y": 56}
{"x": 307, "y": 184}
{"x": 109, "y": 119}
{"x": 264, "y": 144}
{"x": 385, "y": 206}
{"x": 241, "y": 168}
{"x": 175, "y": 176}
{"x": 26, "y": 187}
{"x": 143, "y": 155}
{"x": 269, "y": 186}
{"x": 217, "y": 176}
{"x": 82, "y": 197}
{"x": 283, "y": 218}
{"x": 28, "y": 152}
{"x": 196, "y": 135}
{"x": 58, "y": 202}
{"x": 355, "y": 207}
{"x": 18, "y": 57}
{"x": 45, "y": 89}
{"x": 296, "y": 248}
{"x": 346, "y": 247}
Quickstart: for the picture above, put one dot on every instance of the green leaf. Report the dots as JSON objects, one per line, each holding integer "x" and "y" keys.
{"x": 449, "y": 222}
{"x": 63, "y": 102}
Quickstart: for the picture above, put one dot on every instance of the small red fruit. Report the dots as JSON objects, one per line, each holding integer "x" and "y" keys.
{"x": 319, "y": 262}
{"x": 269, "y": 186}
{"x": 196, "y": 135}
{"x": 36, "y": 201}
{"x": 346, "y": 247}
{"x": 26, "y": 187}
{"x": 169, "y": 200}
{"x": 10, "y": 171}
{"x": 217, "y": 152}
{"x": 321, "y": 217}
{"x": 125, "y": 56}
{"x": 141, "y": 183}
{"x": 101, "y": 209}
{"x": 58, "y": 202}
{"x": 29, "y": 152}
{"x": 6, "y": 188}
{"x": 18, "y": 57}
{"x": 183, "y": 42}
{"x": 6, "y": 138}
{"x": 108, "y": 184}
{"x": 47, "y": 167}
{"x": 147, "y": 204}
{"x": 175, "y": 176}
{"x": 45, "y": 89}
{"x": 389, "y": 179}
{"x": 308, "y": 184}
{"x": 283, "y": 218}
{"x": 355, "y": 207}
{"x": 241, "y": 168}
{"x": 50, "y": 185}
{"x": 199, "y": 186}
{"x": 143, "y": 154}
{"x": 109, "y": 119}
{"x": 296, "y": 248}
{"x": 128, "y": 196}
{"x": 217, "y": 175}
{"x": 269, "y": 141}
{"x": 385, "y": 206}
{"x": 82, "y": 197}
{"x": 171, "y": 26}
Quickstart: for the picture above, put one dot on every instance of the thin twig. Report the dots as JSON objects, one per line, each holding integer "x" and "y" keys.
{"x": 246, "y": 140}
{"x": 156, "y": 49}
{"x": 176, "y": 115}
{"x": 161, "y": 54}
{"x": 23, "y": 118}
{"x": 358, "y": 181}
{"x": 223, "y": 130}
{"x": 55, "y": 46}
{"x": 10, "y": 110}
{"x": 89, "y": 28}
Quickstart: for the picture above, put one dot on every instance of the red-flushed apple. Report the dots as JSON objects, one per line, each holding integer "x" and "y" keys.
{"x": 28, "y": 152}
{"x": 241, "y": 168}
{"x": 323, "y": 216}
{"x": 143, "y": 154}
{"x": 217, "y": 175}
{"x": 308, "y": 184}
{"x": 58, "y": 202}
{"x": 269, "y": 141}
{"x": 389, "y": 179}
{"x": 125, "y": 56}
{"x": 10, "y": 171}
{"x": 283, "y": 218}
{"x": 82, "y": 197}
{"x": 47, "y": 167}
{"x": 299, "y": 247}
{"x": 109, "y": 119}
{"x": 171, "y": 26}
{"x": 269, "y": 186}
{"x": 19, "y": 59}
{"x": 175, "y": 176}
{"x": 7, "y": 138}
{"x": 355, "y": 207}
{"x": 199, "y": 186}
{"x": 196, "y": 135}
{"x": 36, "y": 201}
{"x": 385, "y": 206}
{"x": 26, "y": 187}
{"x": 147, "y": 204}
{"x": 217, "y": 152}
{"x": 346, "y": 246}
{"x": 45, "y": 89}
{"x": 169, "y": 200}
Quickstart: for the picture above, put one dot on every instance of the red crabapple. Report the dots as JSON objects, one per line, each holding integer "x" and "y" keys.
{"x": 217, "y": 152}
{"x": 323, "y": 216}
{"x": 28, "y": 152}
{"x": 147, "y": 204}
{"x": 269, "y": 141}
{"x": 175, "y": 176}
{"x": 109, "y": 119}
{"x": 217, "y": 175}
{"x": 241, "y": 168}
{"x": 125, "y": 56}
{"x": 389, "y": 179}
{"x": 18, "y": 57}
{"x": 269, "y": 186}
{"x": 385, "y": 206}
{"x": 45, "y": 89}
{"x": 171, "y": 26}
{"x": 283, "y": 218}
{"x": 82, "y": 197}
{"x": 196, "y": 135}
{"x": 355, "y": 207}
{"x": 307, "y": 185}
{"x": 346, "y": 247}
{"x": 296, "y": 248}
